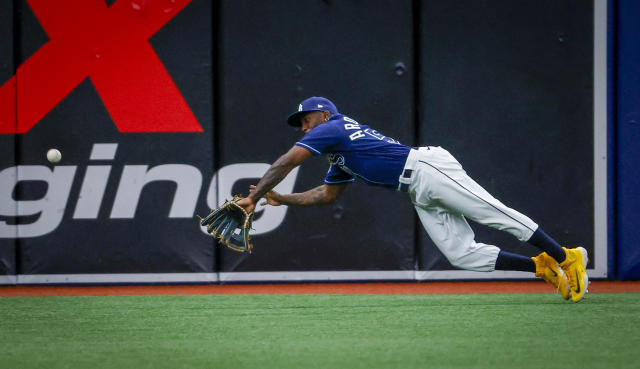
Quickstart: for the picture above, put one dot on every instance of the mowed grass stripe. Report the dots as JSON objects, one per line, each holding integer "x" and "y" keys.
{"x": 321, "y": 331}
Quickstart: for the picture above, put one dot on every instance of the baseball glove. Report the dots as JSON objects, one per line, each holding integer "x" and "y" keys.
{"x": 230, "y": 224}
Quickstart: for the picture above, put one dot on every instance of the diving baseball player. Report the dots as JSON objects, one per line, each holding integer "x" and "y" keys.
{"x": 443, "y": 195}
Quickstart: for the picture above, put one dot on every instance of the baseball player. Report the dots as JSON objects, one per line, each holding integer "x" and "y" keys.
{"x": 443, "y": 195}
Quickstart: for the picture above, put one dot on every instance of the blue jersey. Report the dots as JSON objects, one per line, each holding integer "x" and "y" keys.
{"x": 356, "y": 150}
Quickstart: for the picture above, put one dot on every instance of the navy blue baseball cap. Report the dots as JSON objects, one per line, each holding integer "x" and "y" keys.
{"x": 314, "y": 103}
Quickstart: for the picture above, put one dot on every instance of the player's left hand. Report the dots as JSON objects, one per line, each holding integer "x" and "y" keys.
{"x": 270, "y": 198}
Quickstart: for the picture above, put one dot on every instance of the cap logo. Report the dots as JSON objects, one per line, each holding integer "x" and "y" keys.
{"x": 300, "y": 107}
{"x": 320, "y": 106}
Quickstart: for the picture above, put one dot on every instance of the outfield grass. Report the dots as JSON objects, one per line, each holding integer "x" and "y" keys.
{"x": 321, "y": 331}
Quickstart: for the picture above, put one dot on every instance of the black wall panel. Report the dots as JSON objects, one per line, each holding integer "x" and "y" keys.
{"x": 507, "y": 88}
{"x": 149, "y": 239}
{"x": 7, "y": 142}
{"x": 276, "y": 54}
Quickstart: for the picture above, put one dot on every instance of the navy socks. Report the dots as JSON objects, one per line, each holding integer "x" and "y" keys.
{"x": 539, "y": 239}
{"x": 509, "y": 261}
{"x": 547, "y": 244}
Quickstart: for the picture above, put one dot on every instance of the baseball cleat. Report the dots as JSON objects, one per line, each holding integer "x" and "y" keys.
{"x": 574, "y": 267}
{"x": 548, "y": 269}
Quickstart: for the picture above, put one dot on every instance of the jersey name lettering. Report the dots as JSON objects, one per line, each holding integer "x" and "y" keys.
{"x": 360, "y": 133}
{"x": 356, "y": 135}
{"x": 353, "y": 125}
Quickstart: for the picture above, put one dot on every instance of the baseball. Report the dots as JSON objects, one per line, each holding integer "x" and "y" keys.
{"x": 54, "y": 156}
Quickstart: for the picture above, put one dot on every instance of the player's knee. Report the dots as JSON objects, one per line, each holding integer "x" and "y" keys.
{"x": 471, "y": 262}
{"x": 476, "y": 257}
{"x": 459, "y": 256}
{"x": 458, "y": 261}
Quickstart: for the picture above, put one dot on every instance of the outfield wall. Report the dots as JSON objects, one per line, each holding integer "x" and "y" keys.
{"x": 164, "y": 109}
{"x": 627, "y": 113}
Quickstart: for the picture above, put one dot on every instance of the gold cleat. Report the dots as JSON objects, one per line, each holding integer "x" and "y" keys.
{"x": 548, "y": 269}
{"x": 574, "y": 267}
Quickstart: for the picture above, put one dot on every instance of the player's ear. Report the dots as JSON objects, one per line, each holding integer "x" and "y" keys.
{"x": 326, "y": 115}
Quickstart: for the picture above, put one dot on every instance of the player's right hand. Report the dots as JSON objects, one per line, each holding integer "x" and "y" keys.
{"x": 269, "y": 197}
{"x": 247, "y": 204}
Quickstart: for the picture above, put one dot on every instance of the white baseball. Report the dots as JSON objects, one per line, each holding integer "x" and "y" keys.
{"x": 54, "y": 156}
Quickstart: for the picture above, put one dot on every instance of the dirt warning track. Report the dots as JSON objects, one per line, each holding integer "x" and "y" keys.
{"x": 313, "y": 288}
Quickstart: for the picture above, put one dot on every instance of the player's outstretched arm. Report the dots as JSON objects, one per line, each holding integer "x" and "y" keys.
{"x": 321, "y": 195}
{"x": 274, "y": 175}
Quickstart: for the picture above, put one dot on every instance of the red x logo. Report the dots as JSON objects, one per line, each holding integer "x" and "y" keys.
{"x": 109, "y": 45}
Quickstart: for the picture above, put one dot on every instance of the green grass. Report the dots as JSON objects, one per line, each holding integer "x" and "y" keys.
{"x": 321, "y": 331}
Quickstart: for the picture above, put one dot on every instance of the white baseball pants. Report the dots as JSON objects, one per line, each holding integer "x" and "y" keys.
{"x": 444, "y": 195}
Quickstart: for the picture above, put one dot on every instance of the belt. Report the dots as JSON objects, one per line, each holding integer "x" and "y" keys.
{"x": 404, "y": 187}
{"x": 410, "y": 166}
